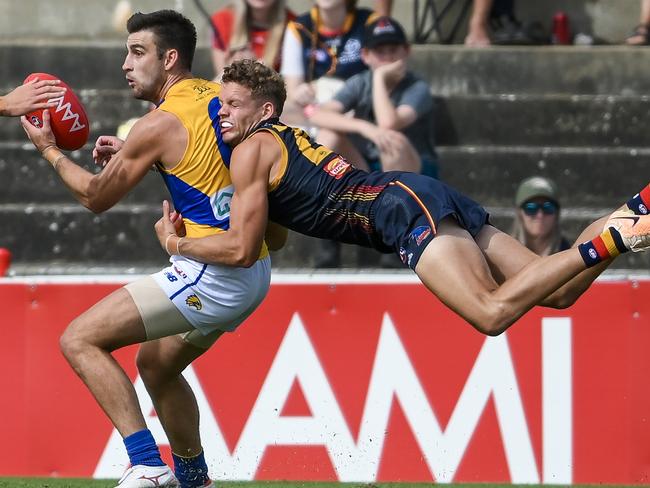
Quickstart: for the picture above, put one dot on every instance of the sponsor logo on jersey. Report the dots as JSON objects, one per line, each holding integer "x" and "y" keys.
{"x": 193, "y": 301}
{"x": 337, "y": 167}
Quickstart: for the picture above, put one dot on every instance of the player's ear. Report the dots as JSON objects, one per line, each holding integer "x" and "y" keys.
{"x": 170, "y": 58}
{"x": 268, "y": 110}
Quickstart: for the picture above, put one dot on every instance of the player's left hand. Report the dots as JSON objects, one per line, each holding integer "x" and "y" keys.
{"x": 170, "y": 224}
{"x": 42, "y": 137}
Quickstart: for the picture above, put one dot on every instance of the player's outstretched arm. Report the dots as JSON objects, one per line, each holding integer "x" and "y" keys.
{"x": 99, "y": 192}
{"x": 250, "y": 166}
{"x": 34, "y": 95}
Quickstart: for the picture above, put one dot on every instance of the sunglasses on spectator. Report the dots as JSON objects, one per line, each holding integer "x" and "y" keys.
{"x": 531, "y": 208}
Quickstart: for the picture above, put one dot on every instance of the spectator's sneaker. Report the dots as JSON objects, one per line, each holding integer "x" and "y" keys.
{"x": 634, "y": 229}
{"x": 140, "y": 476}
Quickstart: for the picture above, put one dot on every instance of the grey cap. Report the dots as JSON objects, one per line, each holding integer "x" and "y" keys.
{"x": 536, "y": 186}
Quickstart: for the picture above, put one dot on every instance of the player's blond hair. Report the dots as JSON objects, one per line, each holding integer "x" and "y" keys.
{"x": 264, "y": 82}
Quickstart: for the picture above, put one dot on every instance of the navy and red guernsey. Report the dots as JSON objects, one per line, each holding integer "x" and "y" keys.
{"x": 318, "y": 193}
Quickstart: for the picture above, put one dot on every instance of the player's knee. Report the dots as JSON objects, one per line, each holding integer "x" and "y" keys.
{"x": 151, "y": 369}
{"x": 561, "y": 299}
{"x": 495, "y": 319}
{"x": 71, "y": 343}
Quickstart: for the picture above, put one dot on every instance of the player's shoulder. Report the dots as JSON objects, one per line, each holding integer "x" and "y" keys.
{"x": 155, "y": 125}
{"x": 261, "y": 146}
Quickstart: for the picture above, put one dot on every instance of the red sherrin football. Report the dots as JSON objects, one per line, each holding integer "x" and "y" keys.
{"x": 68, "y": 118}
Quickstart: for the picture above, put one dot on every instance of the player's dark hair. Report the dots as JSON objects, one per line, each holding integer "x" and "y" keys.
{"x": 172, "y": 31}
{"x": 264, "y": 83}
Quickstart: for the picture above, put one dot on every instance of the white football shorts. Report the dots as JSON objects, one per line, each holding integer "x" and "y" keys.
{"x": 210, "y": 297}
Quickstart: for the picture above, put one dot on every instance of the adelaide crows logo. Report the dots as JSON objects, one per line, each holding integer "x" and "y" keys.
{"x": 193, "y": 301}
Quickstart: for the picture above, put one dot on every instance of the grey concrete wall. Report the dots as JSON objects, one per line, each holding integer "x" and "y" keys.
{"x": 22, "y": 20}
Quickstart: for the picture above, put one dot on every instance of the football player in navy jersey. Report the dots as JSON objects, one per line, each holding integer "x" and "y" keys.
{"x": 481, "y": 273}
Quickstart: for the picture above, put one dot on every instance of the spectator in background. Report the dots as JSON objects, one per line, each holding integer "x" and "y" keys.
{"x": 322, "y": 43}
{"x": 478, "y": 30}
{"x": 249, "y": 29}
{"x": 537, "y": 223}
{"x": 392, "y": 125}
{"x": 640, "y": 36}
{"x": 494, "y": 22}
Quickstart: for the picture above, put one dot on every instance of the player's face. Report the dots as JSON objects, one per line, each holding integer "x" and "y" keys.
{"x": 144, "y": 71}
{"x": 240, "y": 113}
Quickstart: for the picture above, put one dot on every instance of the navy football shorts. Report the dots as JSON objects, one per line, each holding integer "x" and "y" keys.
{"x": 410, "y": 208}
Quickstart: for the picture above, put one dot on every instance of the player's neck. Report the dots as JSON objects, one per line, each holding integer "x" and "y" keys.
{"x": 172, "y": 79}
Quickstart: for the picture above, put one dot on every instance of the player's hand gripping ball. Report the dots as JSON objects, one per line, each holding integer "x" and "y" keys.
{"x": 67, "y": 118}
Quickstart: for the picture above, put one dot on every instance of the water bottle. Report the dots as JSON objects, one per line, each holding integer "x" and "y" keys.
{"x": 561, "y": 32}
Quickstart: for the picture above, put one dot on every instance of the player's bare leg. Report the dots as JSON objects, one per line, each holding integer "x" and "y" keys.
{"x": 87, "y": 343}
{"x": 507, "y": 257}
{"x": 456, "y": 271}
{"x": 160, "y": 364}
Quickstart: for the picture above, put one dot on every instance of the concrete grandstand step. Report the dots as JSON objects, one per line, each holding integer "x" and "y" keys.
{"x": 70, "y": 233}
{"x": 30, "y": 179}
{"x": 82, "y": 65}
{"x": 451, "y": 70}
{"x": 540, "y": 120}
{"x": 564, "y": 120}
{"x": 124, "y": 238}
{"x": 587, "y": 177}
{"x": 301, "y": 251}
{"x": 106, "y": 110}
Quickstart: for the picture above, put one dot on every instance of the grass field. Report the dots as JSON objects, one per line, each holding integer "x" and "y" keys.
{"x": 80, "y": 482}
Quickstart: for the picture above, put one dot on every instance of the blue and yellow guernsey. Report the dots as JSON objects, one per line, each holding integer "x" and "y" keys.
{"x": 200, "y": 184}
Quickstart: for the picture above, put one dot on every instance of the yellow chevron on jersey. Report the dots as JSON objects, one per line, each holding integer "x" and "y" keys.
{"x": 305, "y": 148}
{"x": 200, "y": 183}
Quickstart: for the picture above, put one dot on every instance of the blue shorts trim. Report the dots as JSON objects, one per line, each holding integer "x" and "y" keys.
{"x": 198, "y": 278}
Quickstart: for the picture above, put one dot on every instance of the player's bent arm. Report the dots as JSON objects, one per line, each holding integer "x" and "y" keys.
{"x": 250, "y": 166}
{"x": 275, "y": 236}
{"x": 99, "y": 192}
